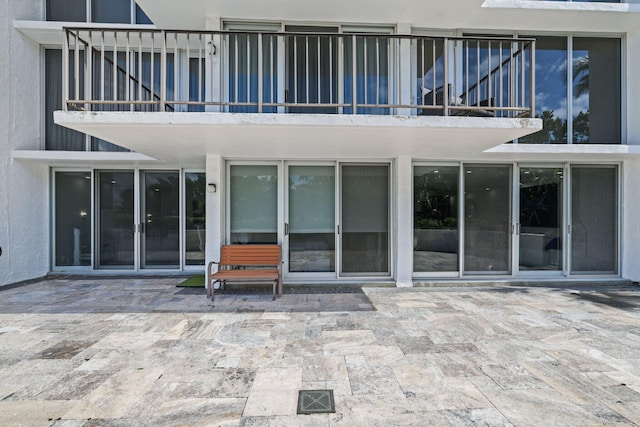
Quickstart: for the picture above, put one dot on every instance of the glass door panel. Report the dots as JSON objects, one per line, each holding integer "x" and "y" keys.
{"x": 311, "y": 226}
{"x": 195, "y": 227}
{"x": 435, "y": 218}
{"x": 251, "y": 186}
{"x": 541, "y": 219}
{"x": 161, "y": 220}
{"x": 116, "y": 248}
{"x": 73, "y": 218}
{"x": 487, "y": 212}
{"x": 365, "y": 219}
{"x": 594, "y": 219}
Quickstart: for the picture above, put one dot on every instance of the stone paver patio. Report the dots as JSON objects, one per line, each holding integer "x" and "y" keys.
{"x": 139, "y": 351}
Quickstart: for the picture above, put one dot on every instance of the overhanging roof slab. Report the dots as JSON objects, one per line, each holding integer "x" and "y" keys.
{"x": 184, "y": 138}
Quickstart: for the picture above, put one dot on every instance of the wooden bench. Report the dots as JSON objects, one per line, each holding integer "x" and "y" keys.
{"x": 234, "y": 260}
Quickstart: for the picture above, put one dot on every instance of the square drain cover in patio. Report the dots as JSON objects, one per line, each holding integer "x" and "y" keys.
{"x": 316, "y": 402}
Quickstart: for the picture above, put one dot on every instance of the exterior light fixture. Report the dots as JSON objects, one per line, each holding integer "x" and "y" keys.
{"x": 212, "y": 188}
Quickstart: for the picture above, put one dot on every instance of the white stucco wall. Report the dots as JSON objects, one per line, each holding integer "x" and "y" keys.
{"x": 23, "y": 187}
{"x": 215, "y": 207}
{"x": 631, "y": 221}
{"x": 633, "y": 87}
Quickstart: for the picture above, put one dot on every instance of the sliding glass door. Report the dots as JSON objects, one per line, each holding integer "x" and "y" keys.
{"x": 310, "y": 228}
{"x": 365, "y": 198}
{"x": 160, "y": 207}
{"x": 487, "y": 219}
{"x": 116, "y": 219}
{"x": 541, "y": 219}
{"x": 594, "y": 219}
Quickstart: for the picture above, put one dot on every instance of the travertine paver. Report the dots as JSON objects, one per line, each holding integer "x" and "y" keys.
{"x": 139, "y": 351}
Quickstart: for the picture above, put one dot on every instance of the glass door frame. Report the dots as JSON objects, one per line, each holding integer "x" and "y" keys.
{"x": 52, "y": 221}
{"x": 141, "y": 229}
{"x": 419, "y": 275}
{"x": 138, "y": 205}
{"x": 391, "y": 257}
{"x": 285, "y": 220}
{"x": 481, "y": 275}
{"x": 226, "y": 239}
{"x": 563, "y": 225}
{"x": 619, "y": 218}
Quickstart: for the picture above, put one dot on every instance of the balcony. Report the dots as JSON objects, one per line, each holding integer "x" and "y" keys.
{"x": 188, "y": 83}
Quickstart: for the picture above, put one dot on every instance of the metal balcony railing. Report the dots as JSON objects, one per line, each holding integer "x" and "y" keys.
{"x": 319, "y": 73}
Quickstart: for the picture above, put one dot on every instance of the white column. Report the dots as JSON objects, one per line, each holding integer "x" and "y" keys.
{"x": 630, "y": 222}
{"x": 215, "y": 207}
{"x": 404, "y": 222}
{"x": 404, "y": 72}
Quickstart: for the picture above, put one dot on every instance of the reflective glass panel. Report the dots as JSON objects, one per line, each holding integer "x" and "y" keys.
{"x": 161, "y": 210}
{"x": 195, "y": 220}
{"x": 365, "y": 219}
{"x": 487, "y": 216}
{"x": 111, "y": 11}
{"x": 551, "y": 91}
{"x": 254, "y": 204}
{"x": 596, "y": 91}
{"x": 594, "y": 219}
{"x": 116, "y": 219}
{"x": 312, "y": 218}
{"x": 73, "y": 218}
{"x": 435, "y": 218}
{"x": 541, "y": 242}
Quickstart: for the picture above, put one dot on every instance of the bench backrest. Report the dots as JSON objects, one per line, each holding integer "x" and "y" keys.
{"x": 258, "y": 255}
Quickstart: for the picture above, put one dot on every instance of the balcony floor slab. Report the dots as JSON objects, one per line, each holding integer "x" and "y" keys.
{"x": 276, "y": 136}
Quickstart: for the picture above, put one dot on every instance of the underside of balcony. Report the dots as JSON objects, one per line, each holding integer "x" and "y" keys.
{"x": 185, "y": 138}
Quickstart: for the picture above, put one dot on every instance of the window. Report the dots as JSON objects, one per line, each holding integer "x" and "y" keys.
{"x": 104, "y": 11}
{"x": 59, "y": 137}
{"x": 588, "y": 111}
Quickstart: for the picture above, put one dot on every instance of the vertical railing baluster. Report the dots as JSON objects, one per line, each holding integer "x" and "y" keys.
{"x": 354, "y": 77}
{"x": 522, "y": 76}
{"x": 377, "y": 71}
{"x": 445, "y": 83}
{"x": 128, "y": 71}
{"x": 103, "y": 78}
{"x": 296, "y": 80}
{"x": 236, "y": 41}
{"x": 152, "y": 74}
{"x": 65, "y": 70}
{"x": 76, "y": 74}
{"x": 114, "y": 65}
{"x": 140, "y": 108}
{"x": 478, "y": 81}
{"x": 200, "y": 55}
{"x": 489, "y": 75}
{"x": 467, "y": 72}
{"x": 248, "y": 70}
{"x": 501, "y": 94}
{"x": 306, "y": 68}
{"x": 319, "y": 75}
{"x": 260, "y": 71}
{"x": 365, "y": 70}
{"x": 175, "y": 69}
{"x": 331, "y": 98}
{"x": 163, "y": 70}
{"x": 434, "y": 67}
{"x": 532, "y": 68}
{"x": 88, "y": 77}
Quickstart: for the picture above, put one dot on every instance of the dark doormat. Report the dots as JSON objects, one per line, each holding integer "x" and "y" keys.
{"x": 316, "y": 402}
